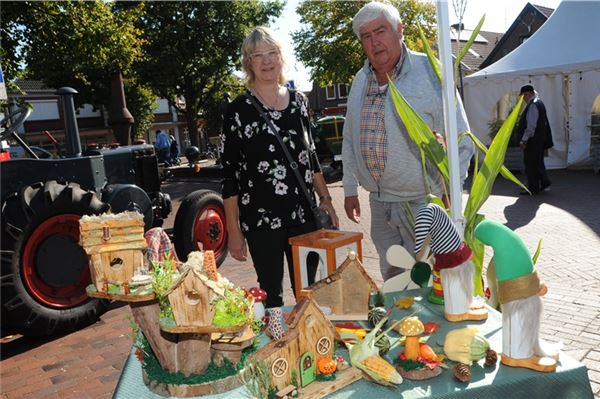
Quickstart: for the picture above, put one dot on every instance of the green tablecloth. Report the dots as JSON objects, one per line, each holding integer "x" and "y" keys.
{"x": 570, "y": 381}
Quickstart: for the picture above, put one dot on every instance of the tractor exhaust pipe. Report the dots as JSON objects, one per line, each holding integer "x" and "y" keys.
{"x": 72, "y": 141}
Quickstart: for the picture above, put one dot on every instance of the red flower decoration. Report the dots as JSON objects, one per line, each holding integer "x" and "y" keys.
{"x": 430, "y": 327}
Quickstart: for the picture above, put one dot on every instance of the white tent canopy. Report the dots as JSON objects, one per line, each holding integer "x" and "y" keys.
{"x": 562, "y": 62}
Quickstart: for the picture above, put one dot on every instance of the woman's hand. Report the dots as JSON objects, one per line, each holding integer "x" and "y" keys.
{"x": 236, "y": 243}
{"x": 327, "y": 205}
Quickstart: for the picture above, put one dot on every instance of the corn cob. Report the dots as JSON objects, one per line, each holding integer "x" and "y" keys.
{"x": 380, "y": 370}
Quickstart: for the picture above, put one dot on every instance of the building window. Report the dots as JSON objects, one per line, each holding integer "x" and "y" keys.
{"x": 343, "y": 90}
{"x": 330, "y": 92}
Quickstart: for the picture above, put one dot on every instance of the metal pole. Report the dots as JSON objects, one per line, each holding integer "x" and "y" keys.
{"x": 449, "y": 100}
{"x": 72, "y": 141}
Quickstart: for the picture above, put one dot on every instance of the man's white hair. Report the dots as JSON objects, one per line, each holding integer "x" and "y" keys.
{"x": 372, "y": 11}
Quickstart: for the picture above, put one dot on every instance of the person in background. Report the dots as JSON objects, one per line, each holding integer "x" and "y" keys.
{"x": 264, "y": 204}
{"x": 162, "y": 147}
{"x": 377, "y": 152}
{"x": 535, "y": 138}
{"x": 173, "y": 151}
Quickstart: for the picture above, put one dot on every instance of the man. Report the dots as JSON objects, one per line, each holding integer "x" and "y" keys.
{"x": 162, "y": 147}
{"x": 535, "y": 138}
{"x": 377, "y": 152}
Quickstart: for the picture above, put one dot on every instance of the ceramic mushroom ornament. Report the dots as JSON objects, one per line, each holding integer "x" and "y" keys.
{"x": 519, "y": 293}
{"x": 260, "y": 296}
{"x": 411, "y": 328}
{"x": 452, "y": 259}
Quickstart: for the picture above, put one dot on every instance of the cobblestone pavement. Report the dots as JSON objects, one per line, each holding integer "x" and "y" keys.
{"x": 88, "y": 363}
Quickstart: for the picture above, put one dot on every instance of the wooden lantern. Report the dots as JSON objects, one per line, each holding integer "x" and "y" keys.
{"x": 332, "y": 246}
{"x": 114, "y": 245}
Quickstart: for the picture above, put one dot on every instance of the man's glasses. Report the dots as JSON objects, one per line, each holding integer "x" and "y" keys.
{"x": 265, "y": 55}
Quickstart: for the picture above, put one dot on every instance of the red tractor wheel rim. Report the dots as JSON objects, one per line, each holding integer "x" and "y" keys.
{"x": 209, "y": 229}
{"x": 69, "y": 295}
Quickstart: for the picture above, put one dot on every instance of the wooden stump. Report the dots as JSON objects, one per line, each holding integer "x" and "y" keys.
{"x": 188, "y": 353}
{"x": 230, "y": 348}
{"x": 186, "y": 391}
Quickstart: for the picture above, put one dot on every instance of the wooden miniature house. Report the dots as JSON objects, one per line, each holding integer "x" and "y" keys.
{"x": 346, "y": 292}
{"x": 114, "y": 245}
{"x": 310, "y": 337}
{"x": 331, "y": 246}
{"x": 190, "y": 298}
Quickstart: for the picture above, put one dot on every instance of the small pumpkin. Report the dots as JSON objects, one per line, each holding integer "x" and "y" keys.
{"x": 326, "y": 366}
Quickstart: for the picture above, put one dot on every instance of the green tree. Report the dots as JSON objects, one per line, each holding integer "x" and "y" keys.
{"x": 11, "y": 36}
{"x": 327, "y": 36}
{"x": 81, "y": 44}
{"x": 193, "y": 47}
{"x": 141, "y": 102}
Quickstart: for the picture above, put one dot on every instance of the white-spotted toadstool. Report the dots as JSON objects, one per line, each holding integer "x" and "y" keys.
{"x": 259, "y": 297}
{"x": 411, "y": 328}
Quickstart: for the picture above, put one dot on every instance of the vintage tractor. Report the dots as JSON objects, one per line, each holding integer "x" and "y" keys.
{"x": 44, "y": 270}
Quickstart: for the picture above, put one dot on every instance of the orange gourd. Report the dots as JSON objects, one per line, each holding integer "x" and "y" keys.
{"x": 327, "y": 366}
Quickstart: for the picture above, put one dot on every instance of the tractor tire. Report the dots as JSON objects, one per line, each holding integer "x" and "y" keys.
{"x": 200, "y": 225}
{"x": 44, "y": 270}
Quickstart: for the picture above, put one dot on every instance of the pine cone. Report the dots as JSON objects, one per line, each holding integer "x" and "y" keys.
{"x": 491, "y": 358}
{"x": 462, "y": 372}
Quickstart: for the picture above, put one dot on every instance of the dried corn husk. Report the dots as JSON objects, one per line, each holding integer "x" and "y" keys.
{"x": 366, "y": 349}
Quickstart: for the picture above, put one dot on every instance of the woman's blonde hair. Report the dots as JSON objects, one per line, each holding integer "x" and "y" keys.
{"x": 257, "y": 36}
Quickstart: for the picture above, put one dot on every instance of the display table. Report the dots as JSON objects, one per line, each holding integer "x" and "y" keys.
{"x": 569, "y": 381}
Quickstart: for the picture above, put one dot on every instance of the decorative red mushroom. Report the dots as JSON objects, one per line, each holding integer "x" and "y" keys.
{"x": 259, "y": 297}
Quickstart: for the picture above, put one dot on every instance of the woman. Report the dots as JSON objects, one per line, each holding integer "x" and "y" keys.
{"x": 264, "y": 204}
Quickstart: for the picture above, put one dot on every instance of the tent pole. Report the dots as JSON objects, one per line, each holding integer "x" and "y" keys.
{"x": 449, "y": 100}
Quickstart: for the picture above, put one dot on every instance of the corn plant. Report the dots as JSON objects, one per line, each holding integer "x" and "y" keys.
{"x": 483, "y": 178}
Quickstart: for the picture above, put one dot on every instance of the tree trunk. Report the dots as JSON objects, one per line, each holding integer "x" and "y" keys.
{"x": 190, "y": 114}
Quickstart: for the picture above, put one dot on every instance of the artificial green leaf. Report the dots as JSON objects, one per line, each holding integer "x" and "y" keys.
{"x": 478, "y": 252}
{"x": 420, "y": 133}
{"x": 483, "y": 181}
{"x": 435, "y": 64}
{"x": 507, "y": 174}
{"x": 434, "y": 199}
{"x": 469, "y": 43}
{"x": 538, "y": 250}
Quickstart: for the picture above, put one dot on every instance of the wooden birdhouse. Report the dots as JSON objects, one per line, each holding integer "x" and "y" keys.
{"x": 331, "y": 246}
{"x": 190, "y": 298}
{"x": 309, "y": 338}
{"x": 114, "y": 245}
{"x": 346, "y": 291}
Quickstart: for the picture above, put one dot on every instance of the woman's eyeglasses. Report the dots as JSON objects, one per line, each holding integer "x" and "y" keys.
{"x": 265, "y": 55}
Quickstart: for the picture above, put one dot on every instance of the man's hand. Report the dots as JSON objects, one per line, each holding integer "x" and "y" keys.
{"x": 236, "y": 244}
{"x": 522, "y": 145}
{"x": 352, "y": 208}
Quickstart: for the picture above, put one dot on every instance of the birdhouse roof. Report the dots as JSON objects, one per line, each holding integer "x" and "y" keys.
{"x": 351, "y": 261}
{"x": 213, "y": 285}
{"x": 295, "y": 316}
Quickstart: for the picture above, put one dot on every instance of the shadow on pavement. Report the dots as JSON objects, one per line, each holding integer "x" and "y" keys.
{"x": 574, "y": 191}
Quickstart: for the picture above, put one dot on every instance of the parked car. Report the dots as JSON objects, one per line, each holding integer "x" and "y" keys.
{"x": 328, "y": 138}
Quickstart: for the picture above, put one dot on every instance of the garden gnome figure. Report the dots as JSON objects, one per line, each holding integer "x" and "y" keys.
{"x": 452, "y": 260}
{"x": 519, "y": 293}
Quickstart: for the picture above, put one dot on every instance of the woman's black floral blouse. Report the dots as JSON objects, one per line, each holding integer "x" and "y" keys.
{"x": 256, "y": 168}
